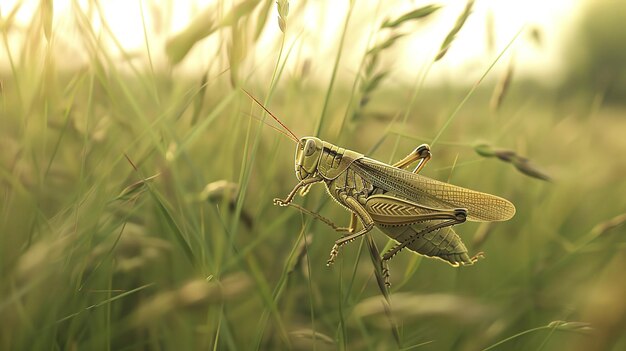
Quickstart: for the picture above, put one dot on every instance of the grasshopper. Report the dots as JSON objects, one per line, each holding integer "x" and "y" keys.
{"x": 416, "y": 211}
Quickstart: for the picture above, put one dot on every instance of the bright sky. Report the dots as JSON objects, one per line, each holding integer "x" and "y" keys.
{"x": 320, "y": 24}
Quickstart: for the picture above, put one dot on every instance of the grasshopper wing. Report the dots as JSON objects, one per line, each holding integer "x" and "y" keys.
{"x": 481, "y": 207}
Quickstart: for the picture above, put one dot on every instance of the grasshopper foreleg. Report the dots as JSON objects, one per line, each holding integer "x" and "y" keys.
{"x": 366, "y": 219}
{"x": 303, "y": 183}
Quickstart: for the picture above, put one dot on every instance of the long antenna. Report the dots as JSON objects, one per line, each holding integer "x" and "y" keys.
{"x": 296, "y": 139}
{"x": 271, "y": 126}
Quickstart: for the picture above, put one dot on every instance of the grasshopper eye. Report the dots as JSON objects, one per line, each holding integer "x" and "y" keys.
{"x": 309, "y": 148}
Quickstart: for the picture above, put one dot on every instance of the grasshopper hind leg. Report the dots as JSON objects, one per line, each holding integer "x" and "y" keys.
{"x": 420, "y": 153}
{"x": 434, "y": 240}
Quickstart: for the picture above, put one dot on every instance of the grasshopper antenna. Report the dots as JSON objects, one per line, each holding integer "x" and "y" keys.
{"x": 271, "y": 126}
{"x": 295, "y": 138}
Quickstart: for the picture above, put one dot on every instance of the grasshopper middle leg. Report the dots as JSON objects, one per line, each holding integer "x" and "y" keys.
{"x": 366, "y": 219}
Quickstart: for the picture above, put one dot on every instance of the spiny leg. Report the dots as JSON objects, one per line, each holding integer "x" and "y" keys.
{"x": 367, "y": 221}
{"x": 421, "y": 153}
{"x": 303, "y": 183}
{"x": 460, "y": 215}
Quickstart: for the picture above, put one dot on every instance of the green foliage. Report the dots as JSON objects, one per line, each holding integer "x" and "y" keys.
{"x": 136, "y": 206}
{"x": 597, "y": 51}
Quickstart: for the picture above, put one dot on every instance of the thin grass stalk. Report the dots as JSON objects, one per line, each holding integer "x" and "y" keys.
{"x": 333, "y": 76}
{"x": 471, "y": 91}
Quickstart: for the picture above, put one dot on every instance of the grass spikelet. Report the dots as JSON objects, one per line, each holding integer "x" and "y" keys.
{"x": 370, "y": 76}
{"x": 411, "y": 15}
{"x": 571, "y": 326}
{"x": 219, "y": 190}
{"x": 502, "y": 87}
{"x": 521, "y": 163}
{"x": 191, "y": 294}
{"x": 133, "y": 191}
{"x": 283, "y": 10}
{"x": 134, "y": 249}
{"x": 455, "y": 30}
{"x": 225, "y": 192}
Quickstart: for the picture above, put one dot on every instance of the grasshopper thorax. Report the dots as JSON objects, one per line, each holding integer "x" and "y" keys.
{"x": 317, "y": 157}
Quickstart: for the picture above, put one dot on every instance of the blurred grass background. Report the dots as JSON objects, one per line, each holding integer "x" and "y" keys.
{"x": 136, "y": 192}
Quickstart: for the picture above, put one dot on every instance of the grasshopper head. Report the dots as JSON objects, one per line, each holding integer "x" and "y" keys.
{"x": 308, "y": 152}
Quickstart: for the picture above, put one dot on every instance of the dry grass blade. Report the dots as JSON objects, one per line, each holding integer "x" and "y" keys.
{"x": 412, "y": 15}
{"x": 201, "y": 27}
{"x": 521, "y": 163}
{"x": 180, "y": 237}
{"x": 571, "y": 326}
{"x": 46, "y": 9}
{"x": 199, "y": 99}
{"x": 482, "y": 233}
{"x": 580, "y": 327}
{"x": 380, "y": 280}
{"x": 490, "y": 31}
{"x": 239, "y": 11}
{"x": 134, "y": 190}
{"x": 261, "y": 19}
{"x": 299, "y": 253}
{"x": 7, "y": 23}
{"x": 237, "y": 50}
{"x": 502, "y": 87}
{"x": 376, "y": 261}
{"x": 536, "y": 36}
{"x": 455, "y": 30}
{"x": 405, "y": 305}
{"x": 611, "y": 224}
{"x": 312, "y": 335}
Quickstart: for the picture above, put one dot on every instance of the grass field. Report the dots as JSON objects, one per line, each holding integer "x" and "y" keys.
{"x": 136, "y": 203}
